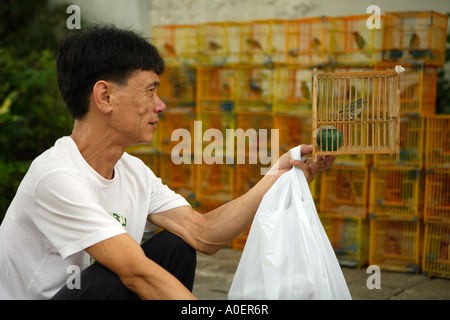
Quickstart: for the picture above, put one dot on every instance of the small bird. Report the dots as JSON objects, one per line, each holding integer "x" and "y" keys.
{"x": 293, "y": 52}
{"x": 254, "y": 44}
{"x": 169, "y": 49}
{"x": 214, "y": 46}
{"x": 315, "y": 45}
{"x": 305, "y": 91}
{"x": 360, "y": 42}
{"x": 414, "y": 41}
{"x": 353, "y": 110}
{"x": 254, "y": 86}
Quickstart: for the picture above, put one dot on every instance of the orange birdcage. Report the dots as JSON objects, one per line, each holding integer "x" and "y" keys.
{"x": 396, "y": 245}
{"x": 396, "y": 192}
{"x": 215, "y": 89}
{"x": 263, "y": 42}
{"x": 349, "y": 237}
{"x": 412, "y": 144}
{"x": 437, "y": 152}
{"x": 179, "y": 177}
{"x": 437, "y": 196}
{"x": 214, "y": 181}
{"x": 180, "y": 118}
{"x": 292, "y": 91}
{"x": 310, "y": 41}
{"x": 356, "y": 44}
{"x": 219, "y": 43}
{"x": 177, "y": 43}
{"x": 415, "y": 36}
{"x": 254, "y": 89}
{"x": 436, "y": 251}
{"x": 177, "y": 87}
{"x": 418, "y": 85}
{"x": 345, "y": 190}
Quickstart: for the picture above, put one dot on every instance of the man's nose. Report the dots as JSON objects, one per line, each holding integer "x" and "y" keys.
{"x": 160, "y": 106}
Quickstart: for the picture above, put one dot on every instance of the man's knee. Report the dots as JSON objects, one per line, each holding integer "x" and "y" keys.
{"x": 173, "y": 254}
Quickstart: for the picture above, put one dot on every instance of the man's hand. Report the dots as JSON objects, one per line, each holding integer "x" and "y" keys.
{"x": 309, "y": 167}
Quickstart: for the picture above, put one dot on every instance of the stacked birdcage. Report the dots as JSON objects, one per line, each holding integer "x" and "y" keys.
{"x": 399, "y": 200}
{"x": 436, "y": 257}
{"x": 252, "y": 98}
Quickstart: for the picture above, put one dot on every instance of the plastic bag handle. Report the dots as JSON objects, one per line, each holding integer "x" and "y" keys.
{"x": 296, "y": 153}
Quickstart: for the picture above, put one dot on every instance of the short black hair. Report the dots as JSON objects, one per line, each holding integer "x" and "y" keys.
{"x": 100, "y": 52}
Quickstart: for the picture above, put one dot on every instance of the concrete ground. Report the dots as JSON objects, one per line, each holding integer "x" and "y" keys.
{"x": 215, "y": 274}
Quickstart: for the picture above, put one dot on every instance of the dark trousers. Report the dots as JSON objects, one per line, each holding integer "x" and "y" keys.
{"x": 165, "y": 248}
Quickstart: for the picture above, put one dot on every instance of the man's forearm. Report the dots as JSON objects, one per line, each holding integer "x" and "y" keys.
{"x": 229, "y": 220}
{"x": 153, "y": 282}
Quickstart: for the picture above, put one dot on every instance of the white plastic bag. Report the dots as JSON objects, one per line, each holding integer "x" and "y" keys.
{"x": 287, "y": 254}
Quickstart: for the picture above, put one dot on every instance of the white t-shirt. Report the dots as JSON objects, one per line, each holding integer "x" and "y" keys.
{"x": 63, "y": 206}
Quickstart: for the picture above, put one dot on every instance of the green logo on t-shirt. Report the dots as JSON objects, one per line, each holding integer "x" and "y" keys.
{"x": 121, "y": 219}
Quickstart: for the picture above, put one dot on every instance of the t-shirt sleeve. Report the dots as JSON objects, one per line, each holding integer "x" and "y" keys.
{"x": 68, "y": 214}
{"x": 163, "y": 198}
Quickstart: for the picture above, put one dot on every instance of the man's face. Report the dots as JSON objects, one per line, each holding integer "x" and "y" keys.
{"x": 136, "y": 108}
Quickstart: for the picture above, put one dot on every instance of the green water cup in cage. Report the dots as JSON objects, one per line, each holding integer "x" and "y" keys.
{"x": 329, "y": 138}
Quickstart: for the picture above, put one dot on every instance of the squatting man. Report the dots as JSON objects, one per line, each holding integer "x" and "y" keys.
{"x": 86, "y": 202}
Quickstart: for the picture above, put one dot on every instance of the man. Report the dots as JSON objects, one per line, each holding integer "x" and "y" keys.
{"x": 86, "y": 200}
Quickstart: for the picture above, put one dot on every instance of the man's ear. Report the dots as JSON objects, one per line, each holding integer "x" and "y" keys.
{"x": 101, "y": 95}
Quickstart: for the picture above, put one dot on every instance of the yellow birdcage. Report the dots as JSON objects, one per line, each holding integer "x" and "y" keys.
{"x": 310, "y": 41}
{"x": 178, "y": 177}
{"x": 356, "y": 44}
{"x": 396, "y": 193}
{"x": 292, "y": 91}
{"x": 418, "y": 85}
{"x": 254, "y": 88}
{"x": 418, "y": 36}
{"x": 349, "y": 237}
{"x": 257, "y": 126}
{"x": 214, "y": 181}
{"x": 175, "y": 119}
{"x": 292, "y": 130}
{"x": 412, "y": 144}
{"x": 437, "y": 196}
{"x": 345, "y": 190}
{"x": 396, "y": 245}
{"x": 219, "y": 43}
{"x": 177, "y": 43}
{"x": 177, "y": 87}
{"x": 356, "y": 113}
{"x": 436, "y": 251}
{"x": 263, "y": 42}
{"x": 215, "y": 89}
{"x": 437, "y": 152}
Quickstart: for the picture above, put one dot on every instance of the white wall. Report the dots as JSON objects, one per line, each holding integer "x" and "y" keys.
{"x": 141, "y": 15}
{"x": 199, "y": 11}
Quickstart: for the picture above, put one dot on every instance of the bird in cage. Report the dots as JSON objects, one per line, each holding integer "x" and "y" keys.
{"x": 213, "y": 46}
{"x": 315, "y": 45}
{"x": 254, "y": 44}
{"x": 361, "y": 43}
{"x": 354, "y": 109}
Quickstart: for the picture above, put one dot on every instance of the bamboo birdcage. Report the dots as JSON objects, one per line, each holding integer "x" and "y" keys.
{"x": 359, "y": 112}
